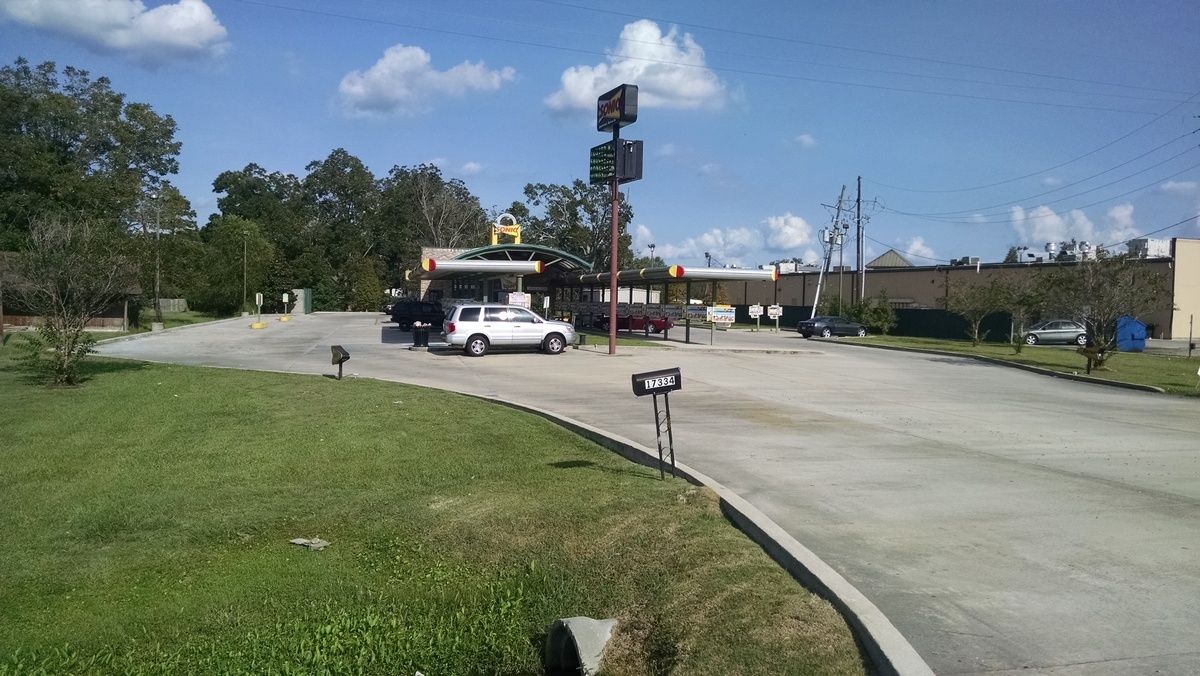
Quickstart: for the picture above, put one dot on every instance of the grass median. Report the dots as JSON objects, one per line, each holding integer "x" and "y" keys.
{"x": 148, "y": 517}
{"x": 1176, "y": 374}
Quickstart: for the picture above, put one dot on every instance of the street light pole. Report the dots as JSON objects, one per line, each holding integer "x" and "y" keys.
{"x": 157, "y": 257}
{"x": 244, "y": 234}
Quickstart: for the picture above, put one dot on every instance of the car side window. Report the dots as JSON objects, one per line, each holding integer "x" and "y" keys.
{"x": 522, "y": 316}
{"x": 468, "y": 314}
{"x": 496, "y": 314}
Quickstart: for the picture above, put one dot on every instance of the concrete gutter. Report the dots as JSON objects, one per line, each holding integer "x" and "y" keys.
{"x": 1024, "y": 367}
{"x": 888, "y": 652}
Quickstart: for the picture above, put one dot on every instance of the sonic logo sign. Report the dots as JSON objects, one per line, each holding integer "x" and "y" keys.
{"x": 617, "y": 108}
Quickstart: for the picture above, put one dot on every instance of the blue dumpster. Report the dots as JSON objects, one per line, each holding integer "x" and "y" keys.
{"x": 1131, "y": 335}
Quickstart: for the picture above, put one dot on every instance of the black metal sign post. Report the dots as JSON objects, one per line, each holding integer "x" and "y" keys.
{"x": 655, "y": 383}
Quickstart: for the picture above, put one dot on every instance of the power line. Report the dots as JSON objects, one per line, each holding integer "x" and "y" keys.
{"x": 1083, "y": 180}
{"x": 824, "y": 45}
{"x": 710, "y": 51}
{"x": 1048, "y": 169}
{"x": 1050, "y": 215}
{"x": 739, "y": 71}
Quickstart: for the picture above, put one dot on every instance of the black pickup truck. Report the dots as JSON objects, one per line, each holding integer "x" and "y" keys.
{"x": 405, "y": 312}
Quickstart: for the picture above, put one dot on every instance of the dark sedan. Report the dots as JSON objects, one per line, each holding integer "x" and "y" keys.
{"x": 830, "y": 326}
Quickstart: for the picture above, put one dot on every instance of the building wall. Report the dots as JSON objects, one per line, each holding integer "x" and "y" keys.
{"x": 925, "y": 287}
{"x": 1186, "y": 278}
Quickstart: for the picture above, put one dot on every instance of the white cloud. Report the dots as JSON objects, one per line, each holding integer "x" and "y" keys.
{"x": 1051, "y": 181}
{"x": 1120, "y": 225}
{"x": 402, "y": 81}
{"x": 471, "y": 168}
{"x": 1182, "y": 188}
{"x": 775, "y": 237}
{"x": 916, "y": 247}
{"x": 642, "y": 236}
{"x": 1041, "y": 225}
{"x": 183, "y": 29}
{"x": 806, "y": 140}
{"x": 787, "y": 232}
{"x": 665, "y": 150}
{"x": 668, "y": 70}
{"x": 709, "y": 169}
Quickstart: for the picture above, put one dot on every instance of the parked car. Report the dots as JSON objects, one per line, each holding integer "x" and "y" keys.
{"x": 405, "y": 312}
{"x": 1062, "y": 331}
{"x": 826, "y": 326}
{"x": 477, "y": 328}
{"x": 651, "y": 324}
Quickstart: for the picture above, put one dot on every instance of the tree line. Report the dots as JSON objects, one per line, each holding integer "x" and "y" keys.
{"x": 73, "y": 149}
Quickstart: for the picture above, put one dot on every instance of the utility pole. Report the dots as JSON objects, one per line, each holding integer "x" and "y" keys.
{"x": 157, "y": 256}
{"x": 828, "y": 237}
{"x": 244, "y": 235}
{"x": 862, "y": 270}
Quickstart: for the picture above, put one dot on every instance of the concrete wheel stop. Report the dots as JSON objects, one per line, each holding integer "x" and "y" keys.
{"x": 575, "y": 645}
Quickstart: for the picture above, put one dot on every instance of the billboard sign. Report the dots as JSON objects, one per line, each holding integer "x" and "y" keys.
{"x": 617, "y": 108}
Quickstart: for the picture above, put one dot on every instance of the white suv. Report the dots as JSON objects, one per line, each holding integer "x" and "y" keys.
{"x": 480, "y": 327}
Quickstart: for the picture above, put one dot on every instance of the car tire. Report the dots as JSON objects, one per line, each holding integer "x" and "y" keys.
{"x": 554, "y": 344}
{"x": 652, "y": 327}
{"x": 1081, "y": 340}
{"x": 603, "y": 326}
{"x": 404, "y": 324}
{"x": 1031, "y": 339}
{"x": 806, "y": 335}
{"x": 862, "y": 332}
{"x": 477, "y": 346}
{"x": 826, "y": 332}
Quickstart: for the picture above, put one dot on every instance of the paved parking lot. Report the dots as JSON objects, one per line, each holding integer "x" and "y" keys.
{"x": 1003, "y": 521}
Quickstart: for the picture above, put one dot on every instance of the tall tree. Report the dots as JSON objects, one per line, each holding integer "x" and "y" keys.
{"x": 168, "y": 243}
{"x": 74, "y": 149}
{"x": 273, "y": 200}
{"x": 578, "y": 218}
{"x": 68, "y": 273}
{"x": 341, "y": 199}
{"x": 441, "y": 213}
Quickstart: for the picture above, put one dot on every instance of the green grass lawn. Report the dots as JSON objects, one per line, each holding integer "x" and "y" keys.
{"x": 1175, "y": 374}
{"x": 147, "y": 517}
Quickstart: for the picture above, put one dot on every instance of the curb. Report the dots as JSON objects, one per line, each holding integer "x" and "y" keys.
{"x": 173, "y": 329}
{"x": 889, "y": 653}
{"x": 1024, "y": 367}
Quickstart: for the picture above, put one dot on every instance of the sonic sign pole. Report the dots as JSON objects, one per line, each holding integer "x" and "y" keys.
{"x": 615, "y": 109}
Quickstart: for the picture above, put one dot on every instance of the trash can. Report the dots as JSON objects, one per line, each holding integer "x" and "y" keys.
{"x": 420, "y": 335}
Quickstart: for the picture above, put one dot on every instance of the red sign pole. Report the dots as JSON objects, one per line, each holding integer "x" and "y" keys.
{"x": 612, "y": 268}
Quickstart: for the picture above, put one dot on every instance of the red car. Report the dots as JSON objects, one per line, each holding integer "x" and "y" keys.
{"x": 650, "y": 324}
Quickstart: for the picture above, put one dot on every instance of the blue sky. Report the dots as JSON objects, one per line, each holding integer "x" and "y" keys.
{"x": 975, "y": 126}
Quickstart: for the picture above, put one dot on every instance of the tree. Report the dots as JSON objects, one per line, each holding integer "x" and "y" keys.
{"x": 440, "y": 213}
{"x": 233, "y": 247}
{"x": 74, "y": 150}
{"x": 274, "y": 201}
{"x": 167, "y": 243}
{"x": 1097, "y": 293}
{"x": 578, "y": 218}
{"x": 877, "y": 313}
{"x": 69, "y": 273}
{"x": 1022, "y": 297}
{"x": 1011, "y": 256}
{"x": 974, "y": 302}
{"x": 368, "y": 293}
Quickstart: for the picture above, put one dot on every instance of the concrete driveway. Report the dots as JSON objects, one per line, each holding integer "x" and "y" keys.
{"x": 1003, "y": 521}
